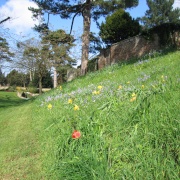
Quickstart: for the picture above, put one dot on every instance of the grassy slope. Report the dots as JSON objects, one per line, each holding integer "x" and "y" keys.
{"x": 120, "y": 139}
{"x": 19, "y": 150}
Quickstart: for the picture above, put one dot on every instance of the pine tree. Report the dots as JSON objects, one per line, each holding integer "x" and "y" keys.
{"x": 89, "y": 9}
{"x": 58, "y": 44}
{"x": 5, "y": 53}
{"x": 160, "y": 12}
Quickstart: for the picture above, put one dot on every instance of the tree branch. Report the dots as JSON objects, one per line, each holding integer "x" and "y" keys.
{"x": 4, "y": 20}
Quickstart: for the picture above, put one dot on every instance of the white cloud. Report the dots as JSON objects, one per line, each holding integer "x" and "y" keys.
{"x": 176, "y": 4}
{"x": 21, "y": 18}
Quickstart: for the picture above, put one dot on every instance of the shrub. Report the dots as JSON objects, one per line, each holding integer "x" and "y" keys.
{"x": 12, "y": 88}
{"x": 32, "y": 89}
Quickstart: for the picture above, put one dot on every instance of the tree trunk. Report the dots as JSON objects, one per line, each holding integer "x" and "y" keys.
{"x": 55, "y": 77}
{"x": 30, "y": 75}
{"x": 85, "y": 37}
{"x": 40, "y": 84}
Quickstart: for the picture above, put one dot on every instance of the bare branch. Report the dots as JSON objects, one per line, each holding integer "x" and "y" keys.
{"x": 4, "y": 20}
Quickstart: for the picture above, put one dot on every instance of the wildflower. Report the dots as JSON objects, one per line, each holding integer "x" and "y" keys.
{"x": 60, "y": 87}
{"x": 100, "y": 87}
{"x": 96, "y": 92}
{"x": 133, "y": 95}
{"x": 120, "y": 87}
{"x": 76, "y": 134}
{"x": 142, "y": 86}
{"x": 133, "y": 99}
{"x": 76, "y": 107}
{"x": 163, "y": 78}
{"x": 70, "y": 101}
{"x": 49, "y": 106}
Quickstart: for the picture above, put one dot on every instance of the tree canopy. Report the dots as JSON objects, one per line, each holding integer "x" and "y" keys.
{"x": 160, "y": 12}
{"x": 5, "y": 53}
{"x": 118, "y": 26}
{"x": 88, "y": 9}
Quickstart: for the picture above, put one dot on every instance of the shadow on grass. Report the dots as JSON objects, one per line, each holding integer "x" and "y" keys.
{"x": 10, "y": 99}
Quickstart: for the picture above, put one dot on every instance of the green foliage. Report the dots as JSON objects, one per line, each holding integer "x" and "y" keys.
{"x": 32, "y": 89}
{"x": 12, "y": 88}
{"x": 128, "y": 119}
{"x": 5, "y": 53}
{"x": 3, "y": 80}
{"x": 15, "y": 78}
{"x": 46, "y": 80}
{"x": 118, "y": 26}
{"x": 89, "y": 9}
{"x": 160, "y": 12}
{"x": 165, "y": 32}
{"x": 98, "y": 8}
{"x": 58, "y": 44}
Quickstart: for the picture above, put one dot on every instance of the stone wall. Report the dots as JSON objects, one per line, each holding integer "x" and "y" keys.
{"x": 130, "y": 48}
{"x": 72, "y": 74}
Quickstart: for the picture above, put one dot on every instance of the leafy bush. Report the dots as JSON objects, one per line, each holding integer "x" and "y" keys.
{"x": 11, "y": 89}
{"x": 32, "y": 89}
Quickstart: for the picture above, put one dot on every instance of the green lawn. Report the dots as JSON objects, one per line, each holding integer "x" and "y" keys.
{"x": 19, "y": 148}
{"x": 9, "y": 99}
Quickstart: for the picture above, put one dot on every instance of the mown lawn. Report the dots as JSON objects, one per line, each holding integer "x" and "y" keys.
{"x": 9, "y": 99}
{"x": 19, "y": 148}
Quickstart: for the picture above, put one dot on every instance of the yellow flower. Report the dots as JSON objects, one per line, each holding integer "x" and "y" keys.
{"x": 133, "y": 95}
{"x": 70, "y": 101}
{"x": 142, "y": 86}
{"x": 96, "y": 92}
{"x": 49, "y": 106}
{"x": 60, "y": 87}
{"x": 100, "y": 87}
{"x": 133, "y": 99}
{"x": 120, "y": 87}
{"x": 76, "y": 107}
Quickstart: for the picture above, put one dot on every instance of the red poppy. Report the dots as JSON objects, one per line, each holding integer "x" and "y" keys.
{"x": 76, "y": 134}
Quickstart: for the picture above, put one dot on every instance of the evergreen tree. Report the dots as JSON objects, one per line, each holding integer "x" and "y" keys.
{"x": 87, "y": 8}
{"x": 5, "y": 53}
{"x": 2, "y": 78}
{"x": 160, "y": 12}
{"x": 56, "y": 45}
{"x": 118, "y": 26}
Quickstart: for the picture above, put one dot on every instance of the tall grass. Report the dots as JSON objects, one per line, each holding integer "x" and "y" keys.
{"x": 128, "y": 117}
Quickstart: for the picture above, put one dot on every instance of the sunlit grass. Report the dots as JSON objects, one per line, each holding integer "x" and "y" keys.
{"x": 19, "y": 147}
{"x": 128, "y": 118}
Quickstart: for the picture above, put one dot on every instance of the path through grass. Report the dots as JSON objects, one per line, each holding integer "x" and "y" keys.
{"x": 19, "y": 149}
